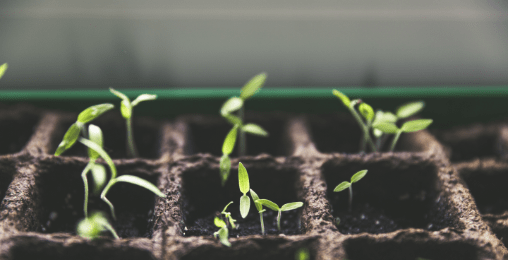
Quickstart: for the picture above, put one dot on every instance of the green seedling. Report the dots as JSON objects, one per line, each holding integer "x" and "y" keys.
{"x": 72, "y": 134}
{"x": 3, "y": 68}
{"x": 227, "y": 216}
{"x": 223, "y": 232}
{"x": 345, "y": 184}
{"x": 126, "y": 109}
{"x": 366, "y": 111}
{"x": 407, "y": 127}
{"x": 260, "y": 209}
{"x": 236, "y": 104}
{"x": 114, "y": 179}
{"x": 286, "y": 207}
{"x": 91, "y": 227}
{"x": 302, "y": 254}
{"x": 227, "y": 148}
{"x": 243, "y": 182}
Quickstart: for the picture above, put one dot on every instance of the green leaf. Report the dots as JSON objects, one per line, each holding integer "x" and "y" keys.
{"x": 143, "y": 97}
{"x": 223, "y": 236}
{"x": 244, "y": 205}
{"x": 234, "y": 120}
{"x": 254, "y": 129}
{"x": 140, "y": 182}
{"x": 224, "y": 210}
{"x": 384, "y": 117}
{"x": 269, "y": 204}
{"x": 99, "y": 177}
{"x": 358, "y": 176}
{"x": 345, "y": 100}
{"x": 219, "y": 222}
{"x": 416, "y": 125}
{"x": 229, "y": 142}
{"x": 342, "y": 186}
{"x": 243, "y": 178}
{"x": 225, "y": 168}
{"x": 119, "y": 94}
{"x": 126, "y": 108}
{"x": 69, "y": 139}
{"x": 366, "y": 111}
{"x": 93, "y": 112}
{"x": 88, "y": 228}
{"x": 291, "y": 206}
{"x": 95, "y": 135}
{"x": 3, "y": 68}
{"x": 377, "y": 133}
{"x": 410, "y": 109}
{"x": 231, "y": 105}
{"x": 302, "y": 254}
{"x": 102, "y": 153}
{"x": 255, "y": 197}
{"x": 386, "y": 127}
{"x": 251, "y": 87}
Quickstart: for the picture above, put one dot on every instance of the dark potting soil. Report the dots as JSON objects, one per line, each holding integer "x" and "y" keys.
{"x": 489, "y": 190}
{"x": 16, "y": 129}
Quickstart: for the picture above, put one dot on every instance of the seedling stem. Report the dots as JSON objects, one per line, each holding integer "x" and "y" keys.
{"x": 344, "y": 185}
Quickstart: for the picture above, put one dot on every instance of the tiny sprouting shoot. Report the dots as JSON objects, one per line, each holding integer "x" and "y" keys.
{"x": 91, "y": 227}
{"x": 227, "y": 148}
{"x": 345, "y": 184}
{"x": 227, "y": 216}
{"x": 286, "y": 207}
{"x": 302, "y": 254}
{"x": 223, "y": 232}
{"x": 407, "y": 127}
{"x": 243, "y": 181}
{"x": 126, "y": 107}
{"x": 260, "y": 209}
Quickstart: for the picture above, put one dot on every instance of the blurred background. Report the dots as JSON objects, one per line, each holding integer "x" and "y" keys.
{"x": 64, "y": 44}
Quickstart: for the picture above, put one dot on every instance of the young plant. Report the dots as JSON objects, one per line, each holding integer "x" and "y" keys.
{"x": 302, "y": 254}
{"x": 91, "y": 227}
{"x": 345, "y": 184}
{"x": 260, "y": 209}
{"x": 227, "y": 216}
{"x": 86, "y": 116}
{"x": 126, "y": 109}
{"x": 236, "y": 104}
{"x": 3, "y": 68}
{"x": 114, "y": 179}
{"x": 407, "y": 127}
{"x": 227, "y": 148}
{"x": 286, "y": 207}
{"x": 243, "y": 182}
{"x": 223, "y": 232}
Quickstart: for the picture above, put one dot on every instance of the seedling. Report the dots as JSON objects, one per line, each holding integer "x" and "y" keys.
{"x": 227, "y": 148}
{"x": 302, "y": 254}
{"x": 223, "y": 232}
{"x": 114, "y": 179}
{"x": 236, "y": 104}
{"x": 72, "y": 134}
{"x": 227, "y": 216}
{"x": 260, "y": 209}
{"x": 407, "y": 127}
{"x": 91, "y": 227}
{"x": 243, "y": 182}
{"x": 126, "y": 109}
{"x": 3, "y": 68}
{"x": 286, "y": 207}
{"x": 345, "y": 184}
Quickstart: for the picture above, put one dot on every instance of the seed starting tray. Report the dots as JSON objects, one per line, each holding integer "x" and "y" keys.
{"x": 435, "y": 197}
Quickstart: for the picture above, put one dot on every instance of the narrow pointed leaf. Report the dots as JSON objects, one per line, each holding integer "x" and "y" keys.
{"x": 3, "y": 68}
{"x": 140, "y": 182}
{"x": 223, "y": 236}
{"x": 119, "y": 94}
{"x": 225, "y": 168}
{"x": 243, "y": 178}
{"x": 342, "y": 186}
{"x": 255, "y": 197}
{"x": 102, "y": 153}
{"x": 386, "y": 127}
{"x": 410, "y": 109}
{"x": 366, "y": 111}
{"x": 345, "y": 100}
{"x": 95, "y": 135}
{"x": 93, "y": 112}
{"x": 69, "y": 139}
{"x": 416, "y": 125}
{"x": 234, "y": 120}
{"x": 269, "y": 204}
{"x": 229, "y": 142}
{"x": 219, "y": 222}
{"x": 251, "y": 87}
{"x": 244, "y": 205}
{"x": 385, "y": 117}
{"x": 291, "y": 206}
{"x": 143, "y": 97}
{"x": 231, "y": 105}
{"x": 225, "y": 208}
{"x": 254, "y": 129}
{"x": 99, "y": 177}
{"x": 358, "y": 176}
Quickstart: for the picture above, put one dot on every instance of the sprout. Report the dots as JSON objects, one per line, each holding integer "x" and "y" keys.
{"x": 344, "y": 185}
{"x": 260, "y": 209}
{"x": 72, "y": 134}
{"x": 228, "y": 217}
{"x": 286, "y": 207}
{"x": 227, "y": 148}
{"x": 407, "y": 127}
{"x": 223, "y": 232}
{"x": 302, "y": 254}
{"x": 236, "y": 104}
{"x": 91, "y": 227}
{"x": 114, "y": 179}
{"x": 243, "y": 181}
{"x": 126, "y": 109}
{"x": 410, "y": 109}
{"x": 3, "y": 68}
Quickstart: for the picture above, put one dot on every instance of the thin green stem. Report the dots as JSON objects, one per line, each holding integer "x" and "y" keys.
{"x": 351, "y": 197}
{"x": 378, "y": 142}
{"x": 262, "y": 224}
{"x": 103, "y": 197}
{"x": 111, "y": 229}
{"x": 243, "y": 141}
{"x": 278, "y": 221}
{"x": 366, "y": 134}
{"x": 131, "y": 151}
{"x": 395, "y": 139}
{"x": 85, "y": 182}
